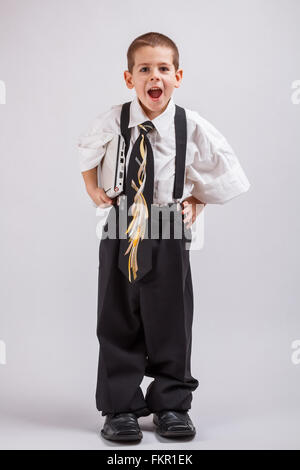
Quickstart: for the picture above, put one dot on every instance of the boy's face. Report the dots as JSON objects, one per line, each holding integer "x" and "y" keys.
{"x": 153, "y": 67}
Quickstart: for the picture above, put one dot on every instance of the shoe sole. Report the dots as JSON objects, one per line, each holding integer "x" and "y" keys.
{"x": 123, "y": 437}
{"x": 175, "y": 433}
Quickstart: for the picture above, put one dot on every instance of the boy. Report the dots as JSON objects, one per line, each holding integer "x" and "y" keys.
{"x": 145, "y": 314}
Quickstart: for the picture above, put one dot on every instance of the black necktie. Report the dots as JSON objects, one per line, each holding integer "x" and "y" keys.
{"x": 135, "y": 251}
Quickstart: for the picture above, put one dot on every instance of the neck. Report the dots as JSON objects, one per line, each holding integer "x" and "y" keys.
{"x": 152, "y": 114}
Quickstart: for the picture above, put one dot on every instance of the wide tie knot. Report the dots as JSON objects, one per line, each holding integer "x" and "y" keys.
{"x": 145, "y": 127}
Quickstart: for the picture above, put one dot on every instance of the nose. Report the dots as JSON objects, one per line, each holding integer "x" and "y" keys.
{"x": 155, "y": 75}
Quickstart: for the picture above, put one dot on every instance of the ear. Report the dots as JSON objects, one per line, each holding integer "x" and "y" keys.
{"x": 128, "y": 79}
{"x": 178, "y": 76}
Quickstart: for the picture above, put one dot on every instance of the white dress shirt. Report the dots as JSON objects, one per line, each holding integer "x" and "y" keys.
{"x": 213, "y": 173}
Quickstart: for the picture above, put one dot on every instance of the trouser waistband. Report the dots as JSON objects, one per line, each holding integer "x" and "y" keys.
{"x": 156, "y": 204}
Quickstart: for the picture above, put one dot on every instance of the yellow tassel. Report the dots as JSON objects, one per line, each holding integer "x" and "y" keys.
{"x": 139, "y": 210}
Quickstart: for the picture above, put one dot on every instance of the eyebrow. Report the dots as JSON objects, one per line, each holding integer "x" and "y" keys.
{"x": 162, "y": 63}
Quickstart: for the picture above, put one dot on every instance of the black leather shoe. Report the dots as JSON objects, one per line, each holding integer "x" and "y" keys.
{"x": 121, "y": 427}
{"x": 173, "y": 423}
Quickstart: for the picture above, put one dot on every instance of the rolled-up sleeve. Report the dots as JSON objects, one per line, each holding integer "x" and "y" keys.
{"x": 92, "y": 143}
{"x": 215, "y": 172}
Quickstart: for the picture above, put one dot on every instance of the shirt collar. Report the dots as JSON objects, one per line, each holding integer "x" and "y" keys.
{"x": 162, "y": 122}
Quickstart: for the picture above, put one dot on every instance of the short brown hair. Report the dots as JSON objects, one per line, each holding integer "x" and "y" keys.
{"x": 153, "y": 40}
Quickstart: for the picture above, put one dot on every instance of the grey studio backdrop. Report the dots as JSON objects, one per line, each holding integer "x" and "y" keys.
{"x": 61, "y": 64}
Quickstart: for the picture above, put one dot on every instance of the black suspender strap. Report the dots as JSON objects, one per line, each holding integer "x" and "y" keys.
{"x": 126, "y": 132}
{"x": 181, "y": 139}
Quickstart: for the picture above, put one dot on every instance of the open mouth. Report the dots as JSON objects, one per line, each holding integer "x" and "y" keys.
{"x": 155, "y": 93}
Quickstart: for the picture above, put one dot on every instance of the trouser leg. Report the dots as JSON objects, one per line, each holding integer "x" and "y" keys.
{"x": 166, "y": 303}
{"x": 122, "y": 354}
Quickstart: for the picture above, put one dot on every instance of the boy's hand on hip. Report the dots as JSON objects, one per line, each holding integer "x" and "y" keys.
{"x": 192, "y": 207}
{"x": 100, "y": 198}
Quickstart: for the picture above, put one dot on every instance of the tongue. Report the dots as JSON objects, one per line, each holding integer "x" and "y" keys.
{"x": 155, "y": 93}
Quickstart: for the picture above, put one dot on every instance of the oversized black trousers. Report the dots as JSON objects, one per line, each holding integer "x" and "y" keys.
{"x": 145, "y": 329}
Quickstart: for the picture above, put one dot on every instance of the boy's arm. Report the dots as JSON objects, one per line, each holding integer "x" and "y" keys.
{"x": 92, "y": 146}
{"x": 98, "y": 195}
{"x": 215, "y": 172}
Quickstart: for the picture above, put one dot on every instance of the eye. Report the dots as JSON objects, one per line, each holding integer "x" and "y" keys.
{"x": 165, "y": 69}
